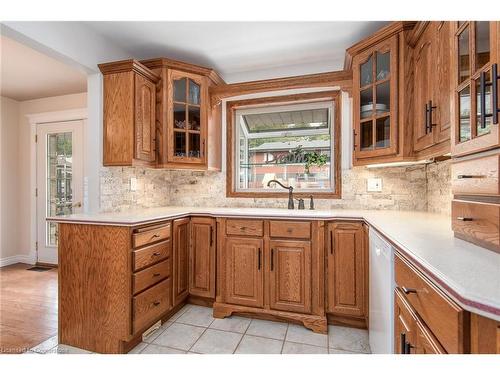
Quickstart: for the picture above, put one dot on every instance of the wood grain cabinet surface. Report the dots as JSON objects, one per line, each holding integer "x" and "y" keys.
{"x": 202, "y": 257}
{"x": 180, "y": 255}
{"x": 129, "y": 114}
{"x": 347, "y": 269}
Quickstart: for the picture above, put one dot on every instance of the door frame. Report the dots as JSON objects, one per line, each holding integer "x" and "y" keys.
{"x": 42, "y": 118}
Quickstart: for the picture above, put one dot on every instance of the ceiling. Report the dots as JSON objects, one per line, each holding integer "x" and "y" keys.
{"x": 242, "y": 51}
{"x": 28, "y": 74}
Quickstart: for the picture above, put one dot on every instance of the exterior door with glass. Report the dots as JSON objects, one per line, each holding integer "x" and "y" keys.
{"x": 59, "y": 173}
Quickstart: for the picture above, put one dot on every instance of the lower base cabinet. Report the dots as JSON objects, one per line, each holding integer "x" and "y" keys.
{"x": 272, "y": 269}
{"x": 180, "y": 255}
{"x": 347, "y": 271}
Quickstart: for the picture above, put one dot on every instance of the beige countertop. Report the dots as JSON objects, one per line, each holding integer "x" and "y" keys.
{"x": 467, "y": 273}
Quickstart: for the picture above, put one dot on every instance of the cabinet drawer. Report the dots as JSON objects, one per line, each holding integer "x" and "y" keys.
{"x": 476, "y": 222}
{"x": 150, "y": 235}
{"x": 444, "y": 318}
{"x": 477, "y": 176}
{"x": 151, "y": 275}
{"x": 290, "y": 229}
{"x": 150, "y": 255}
{"x": 426, "y": 342}
{"x": 151, "y": 304}
{"x": 244, "y": 227}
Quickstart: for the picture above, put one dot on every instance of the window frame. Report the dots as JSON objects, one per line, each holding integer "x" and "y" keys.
{"x": 293, "y": 99}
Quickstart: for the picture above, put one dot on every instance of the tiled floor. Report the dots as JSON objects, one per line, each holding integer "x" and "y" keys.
{"x": 194, "y": 330}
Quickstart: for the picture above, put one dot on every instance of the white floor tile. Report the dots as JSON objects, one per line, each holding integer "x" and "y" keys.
{"x": 153, "y": 335}
{"x": 268, "y": 329}
{"x": 217, "y": 342}
{"x": 302, "y": 335}
{"x": 349, "y": 339}
{"x": 179, "y": 313}
{"x": 45, "y": 346}
{"x": 179, "y": 336}
{"x": 157, "y": 349}
{"x": 138, "y": 348}
{"x": 66, "y": 349}
{"x": 338, "y": 351}
{"x": 297, "y": 348}
{"x": 259, "y": 345}
{"x": 197, "y": 316}
{"x": 232, "y": 324}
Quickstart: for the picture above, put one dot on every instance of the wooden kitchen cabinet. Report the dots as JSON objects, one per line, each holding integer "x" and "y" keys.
{"x": 432, "y": 88}
{"x": 188, "y": 127}
{"x": 290, "y": 276}
{"x": 129, "y": 114}
{"x": 347, "y": 291}
{"x": 180, "y": 251}
{"x": 476, "y": 56}
{"x": 381, "y": 108}
{"x": 202, "y": 257}
{"x": 244, "y": 271}
{"x": 405, "y": 326}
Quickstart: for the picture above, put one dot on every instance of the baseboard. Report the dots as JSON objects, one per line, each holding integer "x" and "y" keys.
{"x": 7, "y": 261}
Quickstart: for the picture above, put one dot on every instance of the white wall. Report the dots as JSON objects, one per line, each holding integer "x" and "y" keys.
{"x": 9, "y": 167}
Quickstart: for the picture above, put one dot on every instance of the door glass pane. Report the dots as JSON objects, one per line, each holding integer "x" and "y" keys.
{"x": 59, "y": 180}
{"x": 180, "y": 90}
{"x": 366, "y": 135}
{"x": 194, "y": 92}
{"x": 194, "y": 145}
{"x": 179, "y": 116}
{"x": 482, "y": 43}
{"x": 383, "y": 65}
{"x": 489, "y": 120}
{"x": 464, "y": 111}
{"x": 366, "y": 72}
{"x": 463, "y": 56}
{"x": 180, "y": 144}
{"x": 383, "y": 98}
{"x": 366, "y": 99}
{"x": 194, "y": 118}
{"x": 383, "y": 132}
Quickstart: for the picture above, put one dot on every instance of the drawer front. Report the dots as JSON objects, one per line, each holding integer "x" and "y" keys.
{"x": 444, "y": 318}
{"x": 476, "y": 222}
{"x": 146, "y": 236}
{"x": 477, "y": 176}
{"x": 151, "y": 304}
{"x": 290, "y": 229}
{"x": 150, "y": 276}
{"x": 244, "y": 227}
{"x": 149, "y": 255}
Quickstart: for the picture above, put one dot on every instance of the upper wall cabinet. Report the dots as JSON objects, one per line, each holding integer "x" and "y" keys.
{"x": 380, "y": 107}
{"x": 475, "y": 82}
{"x": 432, "y": 88}
{"x": 188, "y": 127}
{"x": 129, "y": 114}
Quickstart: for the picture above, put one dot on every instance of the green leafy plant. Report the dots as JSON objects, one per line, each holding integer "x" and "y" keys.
{"x": 314, "y": 158}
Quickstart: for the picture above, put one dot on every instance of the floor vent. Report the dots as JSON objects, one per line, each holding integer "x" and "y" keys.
{"x": 38, "y": 269}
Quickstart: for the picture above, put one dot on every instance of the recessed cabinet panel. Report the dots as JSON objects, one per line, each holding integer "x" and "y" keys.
{"x": 180, "y": 250}
{"x": 202, "y": 257}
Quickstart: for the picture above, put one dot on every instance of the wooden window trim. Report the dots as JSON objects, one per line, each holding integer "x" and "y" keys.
{"x": 231, "y": 108}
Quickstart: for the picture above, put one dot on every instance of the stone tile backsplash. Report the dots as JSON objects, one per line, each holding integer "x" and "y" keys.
{"x": 420, "y": 188}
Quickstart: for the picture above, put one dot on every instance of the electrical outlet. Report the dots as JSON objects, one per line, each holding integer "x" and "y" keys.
{"x": 374, "y": 185}
{"x": 133, "y": 184}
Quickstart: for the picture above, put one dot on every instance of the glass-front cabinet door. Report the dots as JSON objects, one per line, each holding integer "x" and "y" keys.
{"x": 187, "y": 118}
{"x": 476, "y": 69}
{"x": 375, "y": 98}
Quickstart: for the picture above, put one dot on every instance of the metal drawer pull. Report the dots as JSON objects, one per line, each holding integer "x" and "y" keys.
{"x": 156, "y": 303}
{"x": 156, "y": 254}
{"x": 156, "y": 235}
{"x": 156, "y": 274}
{"x": 461, "y": 176}
{"x": 402, "y": 339}
{"x": 464, "y": 218}
{"x": 243, "y": 228}
{"x": 408, "y": 290}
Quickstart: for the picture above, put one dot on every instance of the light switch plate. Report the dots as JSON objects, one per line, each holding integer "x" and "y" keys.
{"x": 374, "y": 185}
{"x": 133, "y": 184}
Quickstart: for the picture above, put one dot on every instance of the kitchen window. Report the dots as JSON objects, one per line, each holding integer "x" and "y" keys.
{"x": 293, "y": 139}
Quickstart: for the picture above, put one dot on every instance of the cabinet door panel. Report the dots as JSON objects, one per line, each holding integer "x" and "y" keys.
{"x": 181, "y": 260}
{"x": 202, "y": 257}
{"x": 145, "y": 97}
{"x": 244, "y": 276}
{"x": 405, "y": 326}
{"x": 346, "y": 269}
{"x": 441, "y": 91}
{"x": 290, "y": 276}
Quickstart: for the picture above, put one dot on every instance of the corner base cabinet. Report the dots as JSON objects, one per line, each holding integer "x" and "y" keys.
{"x": 273, "y": 269}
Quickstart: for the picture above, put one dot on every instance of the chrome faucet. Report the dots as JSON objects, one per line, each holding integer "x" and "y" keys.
{"x": 290, "y": 192}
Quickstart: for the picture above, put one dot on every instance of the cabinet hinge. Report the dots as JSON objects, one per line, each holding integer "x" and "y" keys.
{"x": 36, "y": 138}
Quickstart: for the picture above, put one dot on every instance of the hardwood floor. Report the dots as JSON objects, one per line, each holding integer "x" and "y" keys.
{"x": 28, "y": 307}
